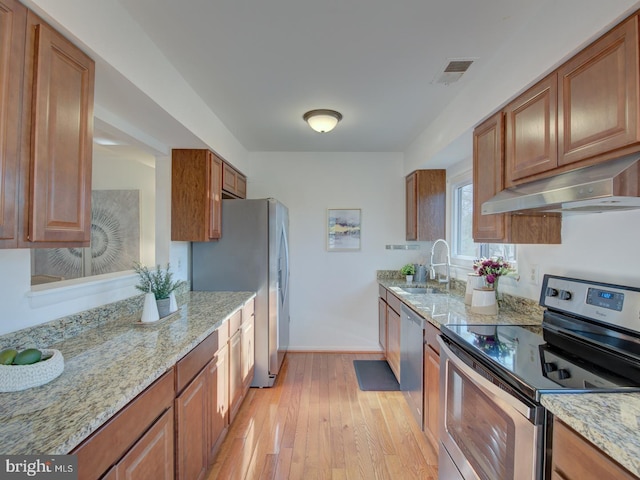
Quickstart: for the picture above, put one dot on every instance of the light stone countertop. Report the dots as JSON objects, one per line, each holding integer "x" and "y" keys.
{"x": 105, "y": 368}
{"x": 449, "y": 307}
{"x": 610, "y": 421}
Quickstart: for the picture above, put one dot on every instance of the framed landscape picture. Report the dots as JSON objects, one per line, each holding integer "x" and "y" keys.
{"x": 343, "y": 229}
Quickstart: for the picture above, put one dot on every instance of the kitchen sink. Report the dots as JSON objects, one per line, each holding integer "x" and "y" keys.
{"x": 418, "y": 290}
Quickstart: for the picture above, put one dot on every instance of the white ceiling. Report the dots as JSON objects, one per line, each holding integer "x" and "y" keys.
{"x": 259, "y": 65}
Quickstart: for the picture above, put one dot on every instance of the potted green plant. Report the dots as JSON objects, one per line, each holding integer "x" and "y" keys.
{"x": 159, "y": 282}
{"x": 409, "y": 270}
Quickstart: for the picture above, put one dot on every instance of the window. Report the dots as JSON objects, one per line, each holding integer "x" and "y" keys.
{"x": 463, "y": 248}
{"x": 462, "y": 223}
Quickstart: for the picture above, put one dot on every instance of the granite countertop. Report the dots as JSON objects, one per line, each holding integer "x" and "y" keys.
{"x": 449, "y": 307}
{"x": 105, "y": 368}
{"x": 610, "y": 421}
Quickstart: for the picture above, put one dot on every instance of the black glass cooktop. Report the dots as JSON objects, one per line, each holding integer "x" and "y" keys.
{"x": 528, "y": 358}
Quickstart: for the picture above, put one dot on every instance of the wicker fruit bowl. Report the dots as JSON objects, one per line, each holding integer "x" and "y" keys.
{"x": 20, "y": 377}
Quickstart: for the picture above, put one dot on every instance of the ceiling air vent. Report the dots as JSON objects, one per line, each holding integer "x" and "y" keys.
{"x": 453, "y": 70}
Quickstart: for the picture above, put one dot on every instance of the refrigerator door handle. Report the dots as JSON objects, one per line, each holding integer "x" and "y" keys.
{"x": 284, "y": 287}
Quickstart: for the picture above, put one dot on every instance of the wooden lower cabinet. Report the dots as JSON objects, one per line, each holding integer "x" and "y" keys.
{"x": 247, "y": 361}
{"x": 393, "y": 341}
{"x": 235, "y": 373}
{"x": 219, "y": 399}
{"x": 175, "y": 427}
{"x": 382, "y": 324}
{"x": 192, "y": 405}
{"x": 575, "y": 458}
{"x": 152, "y": 456}
{"x": 106, "y": 449}
{"x": 431, "y": 409}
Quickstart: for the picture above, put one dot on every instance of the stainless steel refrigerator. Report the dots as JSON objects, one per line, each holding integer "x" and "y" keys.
{"x": 252, "y": 255}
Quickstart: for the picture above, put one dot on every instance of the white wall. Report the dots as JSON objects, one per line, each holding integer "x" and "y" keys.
{"x": 598, "y": 246}
{"x": 333, "y": 295}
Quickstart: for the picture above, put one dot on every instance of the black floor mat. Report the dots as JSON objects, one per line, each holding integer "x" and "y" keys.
{"x": 375, "y": 375}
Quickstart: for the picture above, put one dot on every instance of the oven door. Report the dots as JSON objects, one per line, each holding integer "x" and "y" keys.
{"x": 487, "y": 432}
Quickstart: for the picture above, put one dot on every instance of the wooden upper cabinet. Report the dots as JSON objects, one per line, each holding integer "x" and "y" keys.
{"x": 488, "y": 180}
{"x": 425, "y": 205}
{"x": 488, "y": 167}
{"x": 196, "y": 195}
{"x": 58, "y": 131}
{"x": 234, "y": 183}
{"x": 530, "y": 143}
{"x": 12, "y": 30}
{"x": 598, "y": 96}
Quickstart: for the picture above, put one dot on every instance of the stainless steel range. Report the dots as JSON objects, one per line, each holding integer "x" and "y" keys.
{"x": 492, "y": 376}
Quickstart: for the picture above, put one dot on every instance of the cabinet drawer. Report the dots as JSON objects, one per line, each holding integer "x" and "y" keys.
{"x": 195, "y": 360}
{"x": 234, "y": 322}
{"x": 431, "y": 334}
{"x": 223, "y": 334}
{"x": 248, "y": 311}
{"x": 109, "y": 443}
{"x": 394, "y": 302}
{"x": 382, "y": 292}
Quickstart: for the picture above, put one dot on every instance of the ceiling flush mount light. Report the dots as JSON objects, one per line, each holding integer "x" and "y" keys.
{"x": 322, "y": 121}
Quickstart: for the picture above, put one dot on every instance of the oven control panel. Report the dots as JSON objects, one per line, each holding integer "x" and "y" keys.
{"x": 612, "y": 304}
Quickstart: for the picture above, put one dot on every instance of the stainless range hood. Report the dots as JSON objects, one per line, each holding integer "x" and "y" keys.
{"x": 613, "y": 185}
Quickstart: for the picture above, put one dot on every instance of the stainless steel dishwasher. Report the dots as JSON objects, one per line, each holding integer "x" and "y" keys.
{"x": 411, "y": 360}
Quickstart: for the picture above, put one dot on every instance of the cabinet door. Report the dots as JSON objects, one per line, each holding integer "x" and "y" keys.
{"x": 411, "y": 209}
{"x": 12, "y": 30}
{"x": 488, "y": 180}
{"x": 531, "y": 144}
{"x": 218, "y": 398}
{"x": 233, "y": 182}
{"x": 215, "y": 197}
{"x": 248, "y": 352}
{"x": 152, "y": 455}
{"x": 598, "y": 96}
{"x": 382, "y": 324}
{"x": 393, "y": 341}
{"x": 431, "y": 395}
{"x": 61, "y": 79}
{"x": 235, "y": 373}
{"x": 426, "y": 204}
{"x": 192, "y": 454}
{"x": 196, "y": 195}
{"x": 574, "y": 458}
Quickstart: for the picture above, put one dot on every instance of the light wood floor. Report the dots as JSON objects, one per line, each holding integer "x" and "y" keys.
{"x": 315, "y": 423}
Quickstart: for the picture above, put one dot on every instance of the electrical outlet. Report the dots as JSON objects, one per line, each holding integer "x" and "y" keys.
{"x": 533, "y": 275}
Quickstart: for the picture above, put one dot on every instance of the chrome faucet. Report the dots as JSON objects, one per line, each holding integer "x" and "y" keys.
{"x": 447, "y": 264}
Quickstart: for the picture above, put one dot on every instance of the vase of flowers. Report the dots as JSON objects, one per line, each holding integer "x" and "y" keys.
{"x": 491, "y": 269}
